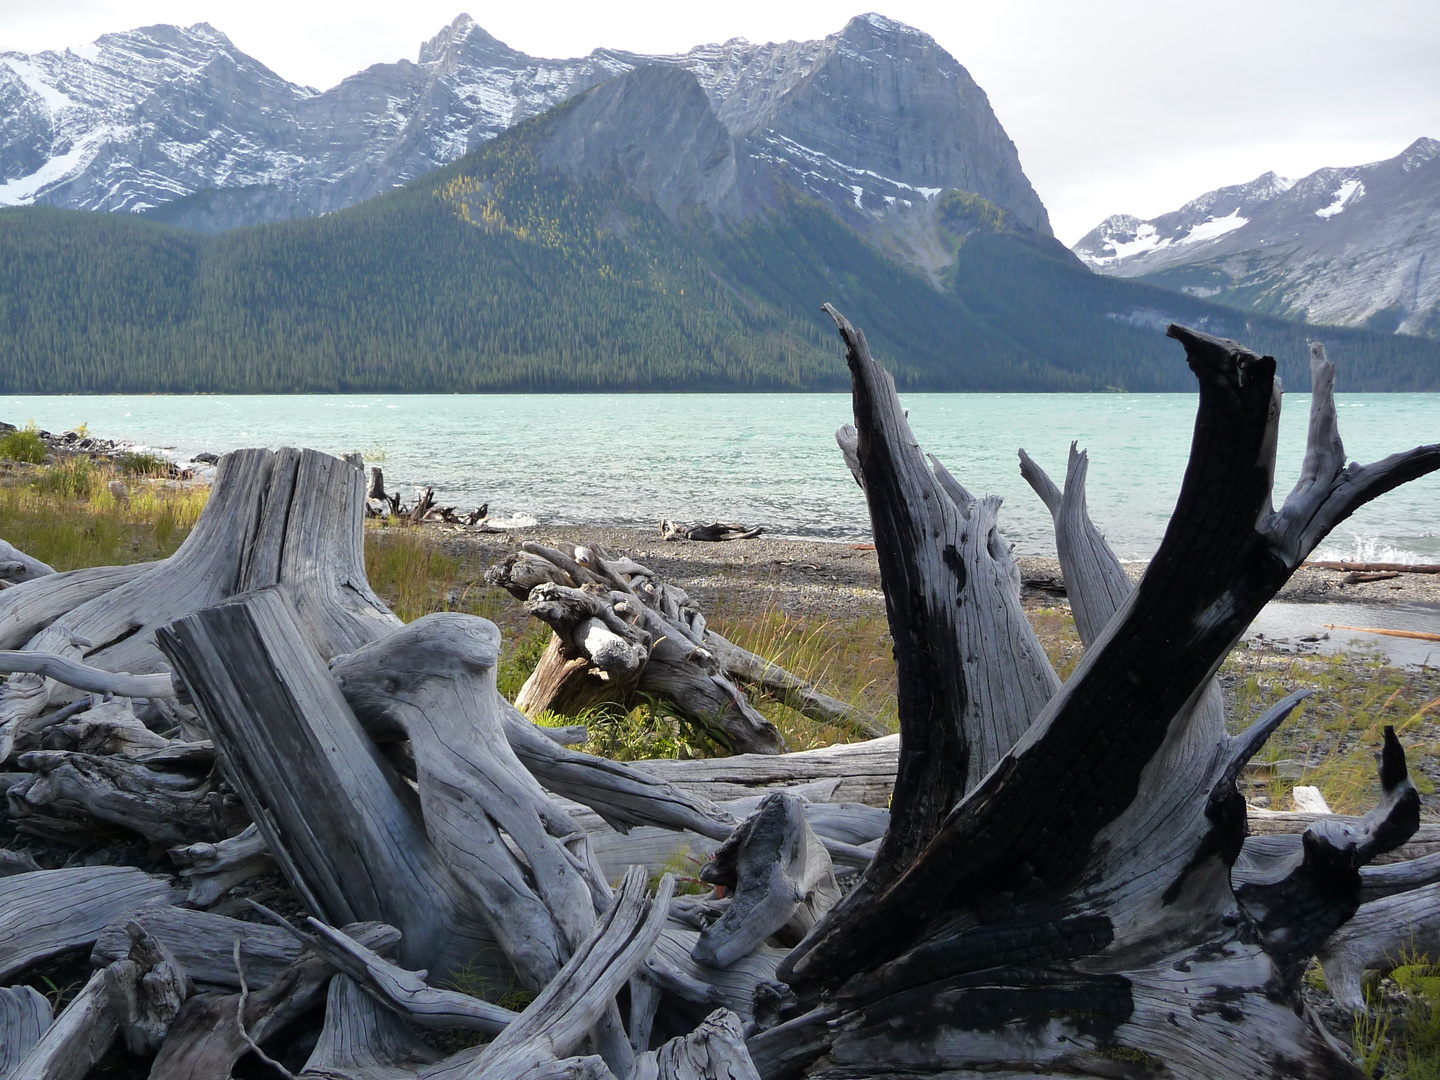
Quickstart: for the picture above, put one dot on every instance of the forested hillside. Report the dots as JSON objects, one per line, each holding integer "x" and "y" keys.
{"x": 497, "y": 274}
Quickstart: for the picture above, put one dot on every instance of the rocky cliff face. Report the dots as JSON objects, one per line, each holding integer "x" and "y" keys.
{"x": 875, "y": 121}
{"x": 1356, "y": 246}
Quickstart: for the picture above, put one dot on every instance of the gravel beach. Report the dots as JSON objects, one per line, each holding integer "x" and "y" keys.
{"x": 808, "y": 577}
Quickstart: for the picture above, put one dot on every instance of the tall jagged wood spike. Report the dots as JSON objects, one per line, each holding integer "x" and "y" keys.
{"x": 1057, "y": 861}
{"x": 1212, "y": 573}
{"x": 971, "y": 675}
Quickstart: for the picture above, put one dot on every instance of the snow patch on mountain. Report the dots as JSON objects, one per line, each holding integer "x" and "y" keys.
{"x": 1350, "y": 189}
{"x": 54, "y": 100}
{"x": 1212, "y": 227}
{"x": 23, "y": 190}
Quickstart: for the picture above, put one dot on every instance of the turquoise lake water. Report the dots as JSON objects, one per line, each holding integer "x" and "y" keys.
{"x": 767, "y": 459}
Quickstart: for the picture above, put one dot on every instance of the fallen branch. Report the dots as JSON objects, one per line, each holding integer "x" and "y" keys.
{"x": 84, "y": 677}
{"x": 1418, "y": 635}
{"x": 713, "y": 533}
{"x": 1379, "y": 567}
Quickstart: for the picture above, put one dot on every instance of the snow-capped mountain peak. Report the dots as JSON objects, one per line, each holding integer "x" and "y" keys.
{"x": 179, "y": 124}
{"x": 1358, "y": 245}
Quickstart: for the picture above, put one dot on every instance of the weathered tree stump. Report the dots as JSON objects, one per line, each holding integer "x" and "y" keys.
{"x": 620, "y": 633}
{"x": 290, "y": 518}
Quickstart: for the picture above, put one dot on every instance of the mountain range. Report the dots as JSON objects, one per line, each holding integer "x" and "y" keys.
{"x": 1357, "y": 246}
{"x": 485, "y": 220}
{"x": 181, "y": 126}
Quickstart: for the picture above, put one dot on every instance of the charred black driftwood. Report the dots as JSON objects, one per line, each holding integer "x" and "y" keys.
{"x": 1072, "y": 908}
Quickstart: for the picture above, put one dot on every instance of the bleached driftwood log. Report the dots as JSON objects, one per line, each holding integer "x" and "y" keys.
{"x": 1086, "y": 875}
{"x": 49, "y": 912}
{"x": 865, "y": 772}
{"x": 433, "y": 683}
{"x": 215, "y": 869}
{"x": 203, "y": 944}
{"x": 781, "y": 879}
{"x": 714, "y": 532}
{"x": 24, "y": 1016}
{"x": 622, "y": 793}
{"x": 290, "y": 518}
{"x": 24, "y": 612}
{"x": 110, "y": 728}
{"x": 619, "y": 631}
{"x": 169, "y": 808}
{"x": 1396, "y": 929}
{"x": 16, "y": 566}
{"x": 76, "y": 1040}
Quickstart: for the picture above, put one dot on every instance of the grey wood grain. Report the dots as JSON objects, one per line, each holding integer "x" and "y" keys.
{"x": 49, "y": 912}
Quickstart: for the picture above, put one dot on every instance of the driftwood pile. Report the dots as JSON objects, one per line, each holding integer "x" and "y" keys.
{"x": 620, "y": 633}
{"x": 1062, "y": 883}
{"x": 379, "y": 503}
{"x": 714, "y": 532}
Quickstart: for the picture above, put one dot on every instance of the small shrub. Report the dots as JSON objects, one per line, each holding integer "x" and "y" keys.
{"x": 143, "y": 465}
{"x": 23, "y": 445}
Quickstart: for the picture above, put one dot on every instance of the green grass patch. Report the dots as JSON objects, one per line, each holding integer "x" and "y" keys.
{"x": 143, "y": 465}
{"x": 69, "y": 515}
{"x": 850, "y": 659}
{"x": 1397, "y": 1036}
{"x": 1331, "y": 739}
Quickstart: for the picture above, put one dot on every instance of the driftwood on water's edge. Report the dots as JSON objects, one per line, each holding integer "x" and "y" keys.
{"x": 714, "y": 532}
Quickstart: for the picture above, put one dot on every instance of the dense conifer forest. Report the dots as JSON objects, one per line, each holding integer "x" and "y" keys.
{"x": 493, "y": 274}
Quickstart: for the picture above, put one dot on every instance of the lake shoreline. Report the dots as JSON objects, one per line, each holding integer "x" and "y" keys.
{"x": 810, "y": 579}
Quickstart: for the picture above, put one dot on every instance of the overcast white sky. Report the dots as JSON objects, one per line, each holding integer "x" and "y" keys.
{"x": 1116, "y": 105}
